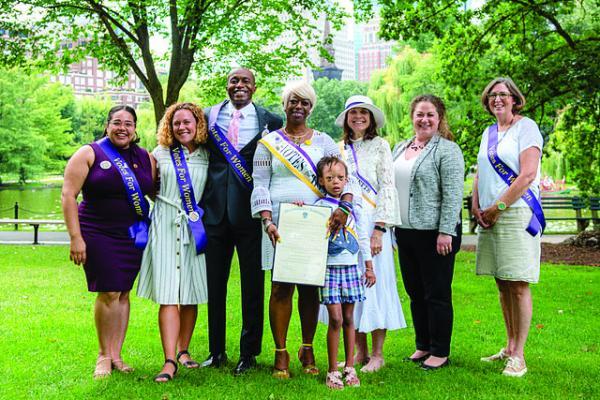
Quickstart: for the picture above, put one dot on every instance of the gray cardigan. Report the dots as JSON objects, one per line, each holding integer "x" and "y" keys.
{"x": 436, "y": 185}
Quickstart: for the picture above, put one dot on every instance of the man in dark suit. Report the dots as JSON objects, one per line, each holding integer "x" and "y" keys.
{"x": 235, "y": 126}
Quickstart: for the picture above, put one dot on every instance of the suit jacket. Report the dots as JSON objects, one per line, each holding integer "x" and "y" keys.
{"x": 225, "y": 194}
{"x": 436, "y": 185}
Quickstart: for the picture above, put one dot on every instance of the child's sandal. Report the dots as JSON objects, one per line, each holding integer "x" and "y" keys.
{"x": 334, "y": 380}
{"x": 350, "y": 377}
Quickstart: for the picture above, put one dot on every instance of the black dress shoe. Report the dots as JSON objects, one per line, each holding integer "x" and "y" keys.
{"x": 245, "y": 363}
{"x": 416, "y": 360}
{"x": 215, "y": 360}
{"x": 426, "y": 367}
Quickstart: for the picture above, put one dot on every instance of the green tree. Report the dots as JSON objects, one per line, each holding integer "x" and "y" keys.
{"x": 89, "y": 118}
{"x": 548, "y": 47}
{"x": 331, "y": 98}
{"x": 209, "y": 36}
{"x": 34, "y": 136}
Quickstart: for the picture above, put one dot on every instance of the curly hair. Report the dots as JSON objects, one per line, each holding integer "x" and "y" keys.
{"x": 370, "y": 133}
{"x": 329, "y": 161}
{"x": 165, "y": 135}
{"x": 443, "y": 128}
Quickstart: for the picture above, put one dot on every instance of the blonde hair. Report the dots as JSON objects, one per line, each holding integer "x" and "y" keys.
{"x": 302, "y": 90}
{"x": 512, "y": 88}
{"x": 165, "y": 129}
{"x": 443, "y": 127}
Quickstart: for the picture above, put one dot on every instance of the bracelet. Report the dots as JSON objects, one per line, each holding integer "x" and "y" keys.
{"x": 344, "y": 211}
{"x": 267, "y": 224}
{"x": 380, "y": 228}
{"x": 346, "y": 204}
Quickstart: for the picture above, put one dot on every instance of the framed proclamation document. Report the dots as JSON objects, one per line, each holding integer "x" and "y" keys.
{"x": 301, "y": 255}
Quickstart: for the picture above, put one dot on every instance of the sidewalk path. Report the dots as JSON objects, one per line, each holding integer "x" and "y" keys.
{"x": 62, "y": 238}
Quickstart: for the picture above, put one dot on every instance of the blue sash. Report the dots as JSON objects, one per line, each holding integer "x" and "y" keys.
{"x": 226, "y": 148}
{"x": 348, "y": 240}
{"x": 186, "y": 190}
{"x": 537, "y": 223}
{"x": 139, "y": 230}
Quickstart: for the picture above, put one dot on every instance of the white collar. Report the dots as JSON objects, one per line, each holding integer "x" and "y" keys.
{"x": 246, "y": 111}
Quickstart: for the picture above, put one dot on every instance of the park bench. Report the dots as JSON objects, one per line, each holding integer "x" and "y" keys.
{"x": 575, "y": 203}
{"x": 33, "y": 222}
{"x": 595, "y": 208}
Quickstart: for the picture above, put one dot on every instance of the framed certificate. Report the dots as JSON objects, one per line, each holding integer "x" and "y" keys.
{"x": 301, "y": 255}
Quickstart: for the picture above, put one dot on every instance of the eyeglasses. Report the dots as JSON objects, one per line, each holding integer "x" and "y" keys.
{"x": 502, "y": 95}
{"x": 119, "y": 124}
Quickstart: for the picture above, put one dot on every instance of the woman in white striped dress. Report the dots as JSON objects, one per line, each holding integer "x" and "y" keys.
{"x": 173, "y": 274}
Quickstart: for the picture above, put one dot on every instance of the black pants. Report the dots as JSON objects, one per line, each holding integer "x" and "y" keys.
{"x": 246, "y": 239}
{"x": 427, "y": 278}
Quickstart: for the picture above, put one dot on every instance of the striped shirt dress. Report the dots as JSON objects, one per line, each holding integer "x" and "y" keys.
{"x": 171, "y": 271}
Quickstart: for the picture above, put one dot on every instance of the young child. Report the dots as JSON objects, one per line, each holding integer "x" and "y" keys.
{"x": 343, "y": 285}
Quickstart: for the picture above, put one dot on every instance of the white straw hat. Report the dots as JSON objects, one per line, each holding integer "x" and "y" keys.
{"x": 361, "y": 102}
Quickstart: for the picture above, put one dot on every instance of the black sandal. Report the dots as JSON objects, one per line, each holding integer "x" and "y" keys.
{"x": 188, "y": 364}
{"x": 167, "y": 377}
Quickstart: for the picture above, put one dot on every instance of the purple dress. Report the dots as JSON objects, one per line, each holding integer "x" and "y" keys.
{"x": 105, "y": 216}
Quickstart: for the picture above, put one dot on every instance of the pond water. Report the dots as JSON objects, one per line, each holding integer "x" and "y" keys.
{"x": 37, "y": 203}
{"x": 44, "y": 203}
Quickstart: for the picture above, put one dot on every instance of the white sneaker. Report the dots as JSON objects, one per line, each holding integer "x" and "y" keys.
{"x": 515, "y": 367}
{"x": 501, "y": 355}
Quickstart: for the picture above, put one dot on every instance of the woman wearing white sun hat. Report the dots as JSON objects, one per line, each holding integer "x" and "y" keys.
{"x": 369, "y": 159}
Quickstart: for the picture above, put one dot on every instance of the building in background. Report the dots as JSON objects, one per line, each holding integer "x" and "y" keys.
{"x": 372, "y": 52}
{"x": 88, "y": 79}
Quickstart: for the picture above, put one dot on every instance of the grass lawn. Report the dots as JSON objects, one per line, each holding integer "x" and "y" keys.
{"x": 48, "y": 342}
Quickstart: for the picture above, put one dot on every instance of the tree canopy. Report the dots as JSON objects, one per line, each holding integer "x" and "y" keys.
{"x": 209, "y": 37}
{"x": 548, "y": 47}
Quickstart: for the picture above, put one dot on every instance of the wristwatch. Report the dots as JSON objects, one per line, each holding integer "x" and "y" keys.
{"x": 501, "y": 205}
{"x": 380, "y": 228}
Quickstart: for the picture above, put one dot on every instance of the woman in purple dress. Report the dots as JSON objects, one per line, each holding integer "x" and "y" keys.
{"x": 114, "y": 175}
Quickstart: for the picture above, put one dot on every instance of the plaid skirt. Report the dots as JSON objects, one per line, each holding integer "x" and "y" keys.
{"x": 342, "y": 285}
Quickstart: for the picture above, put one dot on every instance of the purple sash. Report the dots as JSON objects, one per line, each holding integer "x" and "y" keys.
{"x": 186, "y": 190}
{"x": 314, "y": 180}
{"x": 226, "y": 148}
{"x": 537, "y": 223}
{"x": 364, "y": 183}
{"x": 139, "y": 230}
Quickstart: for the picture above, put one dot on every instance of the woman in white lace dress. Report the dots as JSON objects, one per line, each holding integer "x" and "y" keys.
{"x": 369, "y": 159}
{"x": 275, "y": 182}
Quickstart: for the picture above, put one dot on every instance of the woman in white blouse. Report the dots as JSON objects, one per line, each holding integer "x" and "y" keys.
{"x": 275, "y": 183}
{"x": 369, "y": 159}
{"x": 509, "y": 214}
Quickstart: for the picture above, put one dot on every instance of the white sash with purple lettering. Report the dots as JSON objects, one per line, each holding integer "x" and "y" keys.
{"x": 294, "y": 158}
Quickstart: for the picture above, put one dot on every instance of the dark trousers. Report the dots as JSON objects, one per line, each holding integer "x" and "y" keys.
{"x": 427, "y": 279}
{"x": 246, "y": 239}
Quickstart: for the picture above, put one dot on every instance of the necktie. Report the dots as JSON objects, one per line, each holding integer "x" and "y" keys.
{"x": 234, "y": 128}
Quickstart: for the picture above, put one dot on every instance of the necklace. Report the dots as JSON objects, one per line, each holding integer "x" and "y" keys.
{"x": 297, "y": 139}
{"x": 512, "y": 120}
{"x": 416, "y": 147}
